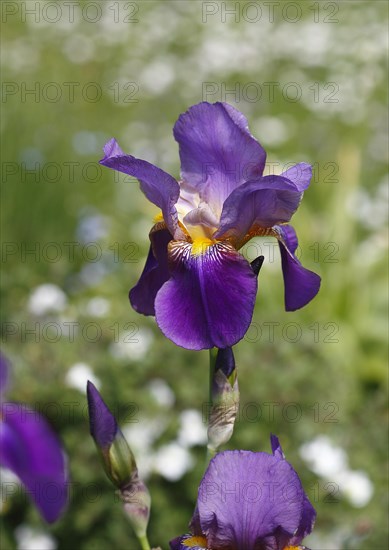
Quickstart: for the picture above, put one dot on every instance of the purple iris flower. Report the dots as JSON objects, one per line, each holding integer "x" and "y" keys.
{"x": 249, "y": 501}
{"x": 196, "y": 283}
{"x": 32, "y": 451}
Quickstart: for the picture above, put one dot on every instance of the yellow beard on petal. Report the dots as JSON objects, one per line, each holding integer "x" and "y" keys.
{"x": 196, "y": 541}
{"x": 200, "y": 245}
{"x": 158, "y": 218}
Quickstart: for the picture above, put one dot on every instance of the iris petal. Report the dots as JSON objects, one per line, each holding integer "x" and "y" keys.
{"x": 246, "y": 498}
{"x": 31, "y": 450}
{"x": 217, "y": 151}
{"x": 259, "y": 203}
{"x": 300, "y": 174}
{"x": 154, "y": 275}
{"x": 159, "y": 187}
{"x": 307, "y": 522}
{"x": 301, "y": 285}
{"x": 209, "y": 299}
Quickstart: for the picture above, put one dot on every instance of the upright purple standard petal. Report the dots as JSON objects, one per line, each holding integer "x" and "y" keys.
{"x": 103, "y": 425}
{"x": 259, "y": 203}
{"x": 300, "y": 174}
{"x": 250, "y": 501}
{"x": 154, "y": 275}
{"x": 31, "y": 450}
{"x": 209, "y": 299}
{"x": 159, "y": 187}
{"x": 248, "y": 498}
{"x": 217, "y": 151}
{"x": 301, "y": 285}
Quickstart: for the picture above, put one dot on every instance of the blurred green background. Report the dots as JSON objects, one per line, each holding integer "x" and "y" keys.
{"x": 310, "y": 78}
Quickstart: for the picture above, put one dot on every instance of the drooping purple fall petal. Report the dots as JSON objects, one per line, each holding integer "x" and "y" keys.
{"x": 154, "y": 275}
{"x": 301, "y": 284}
{"x": 32, "y": 451}
{"x": 209, "y": 299}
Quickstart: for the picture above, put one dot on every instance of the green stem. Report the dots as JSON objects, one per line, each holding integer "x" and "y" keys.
{"x": 144, "y": 542}
{"x": 212, "y": 363}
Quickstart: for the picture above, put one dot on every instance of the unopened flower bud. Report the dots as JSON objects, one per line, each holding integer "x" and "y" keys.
{"x": 118, "y": 460}
{"x": 225, "y": 400}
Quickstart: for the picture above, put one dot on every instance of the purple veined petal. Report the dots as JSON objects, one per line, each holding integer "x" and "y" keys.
{"x": 307, "y": 522}
{"x": 217, "y": 151}
{"x": 259, "y": 203}
{"x": 32, "y": 451}
{"x": 300, "y": 174}
{"x": 175, "y": 544}
{"x": 308, "y": 516}
{"x": 103, "y": 425}
{"x": 246, "y": 499}
{"x": 4, "y": 374}
{"x": 209, "y": 299}
{"x": 154, "y": 275}
{"x": 301, "y": 284}
{"x": 159, "y": 187}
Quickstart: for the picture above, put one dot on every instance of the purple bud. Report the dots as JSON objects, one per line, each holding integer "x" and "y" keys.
{"x": 118, "y": 460}
{"x": 103, "y": 425}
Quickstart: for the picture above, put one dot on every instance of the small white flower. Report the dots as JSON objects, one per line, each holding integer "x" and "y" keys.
{"x": 172, "y": 461}
{"x": 192, "y": 430}
{"x": 133, "y": 345}
{"x": 46, "y": 298}
{"x": 323, "y": 457}
{"x": 98, "y": 307}
{"x": 31, "y": 539}
{"x": 78, "y": 375}
{"x": 141, "y": 436}
{"x": 356, "y": 487}
{"x": 8, "y": 480}
{"x": 331, "y": 463}
{"x": 161, "y": 392}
